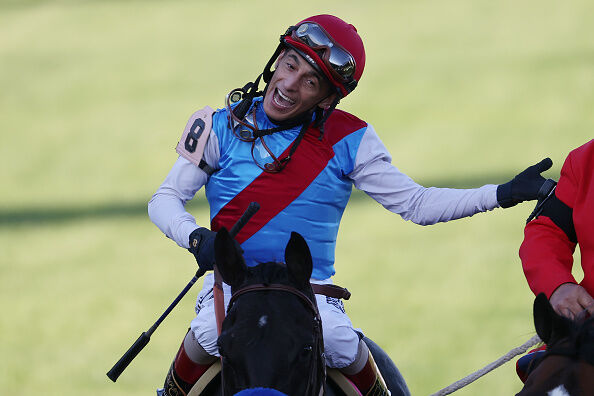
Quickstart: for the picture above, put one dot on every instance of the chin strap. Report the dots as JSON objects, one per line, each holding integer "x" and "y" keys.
{"x": 267, "y": 73}
{"x": 323, "y": 114}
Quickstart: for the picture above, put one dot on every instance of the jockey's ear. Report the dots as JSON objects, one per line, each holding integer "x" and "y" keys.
{"x": 229, "y": 259}
{"x": 298, "y": 260}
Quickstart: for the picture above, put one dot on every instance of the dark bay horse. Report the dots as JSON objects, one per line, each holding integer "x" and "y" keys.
{"x": 567, "y": 366}
{"x": 272, "y": 335}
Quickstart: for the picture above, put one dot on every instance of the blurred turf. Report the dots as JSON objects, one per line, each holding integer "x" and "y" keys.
{"x": 94, "y": 95}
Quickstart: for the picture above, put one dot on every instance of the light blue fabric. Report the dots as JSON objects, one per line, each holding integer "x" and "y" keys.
{"x": 315, "y": 213}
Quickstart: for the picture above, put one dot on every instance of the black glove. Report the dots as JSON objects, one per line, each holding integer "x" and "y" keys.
{"x": 523, "y": 187}
{"x": 202, "y": 247}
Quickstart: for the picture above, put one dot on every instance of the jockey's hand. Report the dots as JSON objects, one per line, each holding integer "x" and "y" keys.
{"x": 523, "y": 187}
{"x": 202, "y": 247}
{"x": 570, "y": 300}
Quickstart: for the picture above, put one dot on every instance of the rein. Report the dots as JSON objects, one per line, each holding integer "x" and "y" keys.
{"x": 488, "y": 368}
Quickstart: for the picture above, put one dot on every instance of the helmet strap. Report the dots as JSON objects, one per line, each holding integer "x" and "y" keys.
{"x": 267, "y": 73}
{"x": 323, "y": 114}
{"x": 249, "y": 92}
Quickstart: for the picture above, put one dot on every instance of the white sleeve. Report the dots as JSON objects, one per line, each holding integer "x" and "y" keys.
{"x": 374, "y": 174}
{"x": 166, "y": 208}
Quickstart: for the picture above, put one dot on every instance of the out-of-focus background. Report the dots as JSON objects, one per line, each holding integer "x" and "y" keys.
{"x": 95, "y": 94}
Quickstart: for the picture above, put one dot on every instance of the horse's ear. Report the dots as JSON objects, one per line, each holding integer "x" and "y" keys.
{"x": 229, "y": 259}
{"x": 550, "y": 326}
{"x": 298, "y": 259}
{"x": 543, "y": 317}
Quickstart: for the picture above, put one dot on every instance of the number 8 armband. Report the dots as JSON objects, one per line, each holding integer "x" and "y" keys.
{"x": 193, "y": 140}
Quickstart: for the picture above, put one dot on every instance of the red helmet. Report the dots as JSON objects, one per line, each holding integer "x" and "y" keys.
{"x": 332, "y": 46}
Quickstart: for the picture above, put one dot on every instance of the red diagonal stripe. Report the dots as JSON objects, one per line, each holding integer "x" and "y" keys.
{"x": 275, "y": 191}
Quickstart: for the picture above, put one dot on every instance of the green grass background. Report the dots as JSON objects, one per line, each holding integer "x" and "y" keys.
{"x": 95, "y": 94}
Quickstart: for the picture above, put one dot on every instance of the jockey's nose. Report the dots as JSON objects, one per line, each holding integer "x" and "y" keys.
{"x": 291, "y": 82}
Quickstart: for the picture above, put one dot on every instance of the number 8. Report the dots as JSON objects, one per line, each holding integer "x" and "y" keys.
{"x": 193, "y": 135}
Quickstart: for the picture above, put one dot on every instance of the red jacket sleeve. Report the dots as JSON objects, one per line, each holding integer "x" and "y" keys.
{"x": 547, "y": 256}
{"x": 547, "y": 252}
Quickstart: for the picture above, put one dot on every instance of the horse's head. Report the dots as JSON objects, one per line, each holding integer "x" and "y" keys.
{"x": 567, "y": 368}
{"x": 272, "y": 334}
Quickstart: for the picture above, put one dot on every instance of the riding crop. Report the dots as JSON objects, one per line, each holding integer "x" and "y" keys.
{"x": 145, "y": 337}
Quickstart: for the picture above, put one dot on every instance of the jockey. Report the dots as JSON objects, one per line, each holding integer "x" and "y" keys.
{"x": 289, "y": 148}
{"x": 565, "y": 220}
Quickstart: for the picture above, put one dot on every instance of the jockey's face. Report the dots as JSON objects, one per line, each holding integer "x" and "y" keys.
{"x": 296, "y": 87}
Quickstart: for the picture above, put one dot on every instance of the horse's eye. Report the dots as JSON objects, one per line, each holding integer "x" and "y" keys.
{"x": 308, "y": 349}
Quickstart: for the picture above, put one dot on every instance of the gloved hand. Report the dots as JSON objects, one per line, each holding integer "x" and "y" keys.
{"x": 523, "y": 187}
{"x": 202, "y": 247}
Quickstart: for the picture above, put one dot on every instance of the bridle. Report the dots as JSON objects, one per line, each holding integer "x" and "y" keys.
{"x": 319, "y": 364}
{"x": 276, "y": 287}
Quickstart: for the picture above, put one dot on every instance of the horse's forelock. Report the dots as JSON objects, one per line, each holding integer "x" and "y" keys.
{"x": 267, "y": 273}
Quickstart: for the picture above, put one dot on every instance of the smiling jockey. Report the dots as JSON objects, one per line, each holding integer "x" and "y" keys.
{"x": 289, "y": 149}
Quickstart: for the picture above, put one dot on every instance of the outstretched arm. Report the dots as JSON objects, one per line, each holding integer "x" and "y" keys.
{"x": 374, "y": 173}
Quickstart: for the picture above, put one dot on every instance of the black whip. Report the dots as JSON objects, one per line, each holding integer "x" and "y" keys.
{"x": 145, "y": 337}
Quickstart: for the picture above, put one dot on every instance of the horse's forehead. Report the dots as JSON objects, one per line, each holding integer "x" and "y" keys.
{"x": 271, "y": 272}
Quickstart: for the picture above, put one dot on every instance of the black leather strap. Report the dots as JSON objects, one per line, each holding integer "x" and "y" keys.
{"x": 331, "y": 291}
{"x": 561, "y": 215}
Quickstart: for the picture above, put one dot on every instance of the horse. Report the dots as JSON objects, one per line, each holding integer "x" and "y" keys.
{"x": 271, "y": 337}
{"x": 567, "y": 366}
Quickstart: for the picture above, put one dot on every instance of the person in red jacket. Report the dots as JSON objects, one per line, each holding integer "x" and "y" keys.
{"x": 566, "y": 219}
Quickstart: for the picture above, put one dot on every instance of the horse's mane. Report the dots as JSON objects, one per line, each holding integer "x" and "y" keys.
{"x": 583, "y": 332}
{"x": 579, "y": 328}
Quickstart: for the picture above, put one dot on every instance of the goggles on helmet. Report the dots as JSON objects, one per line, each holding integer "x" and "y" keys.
{"x": 339, "y": 61}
